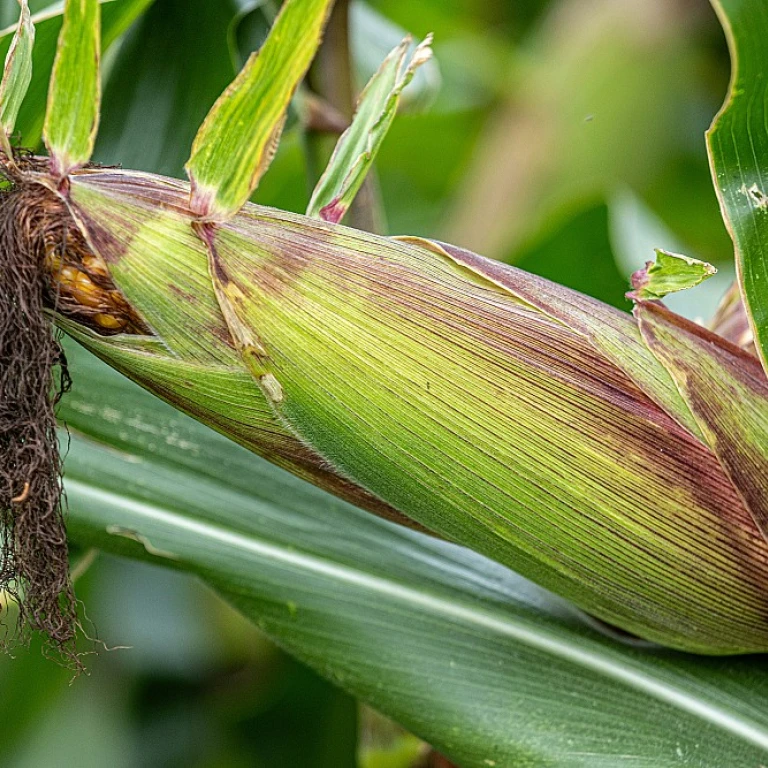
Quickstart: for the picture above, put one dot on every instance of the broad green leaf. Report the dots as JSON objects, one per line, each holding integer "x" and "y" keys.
{"x": 358, "y": 145}
{"x": 671, "y": 272}
{"x": 728, "y": 393}
{"x": 17, "y": 74}
{"x": 738, "y": 147}
{"x": 117, "y": 16}
{"x": 470, "y": 657}
{"x": 72, "y": 115}
{"x": 235, "y": 144}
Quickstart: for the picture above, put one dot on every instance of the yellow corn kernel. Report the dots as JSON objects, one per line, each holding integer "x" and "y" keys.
{"x": 85, "y": 292}
{"x": 109, "y": 322}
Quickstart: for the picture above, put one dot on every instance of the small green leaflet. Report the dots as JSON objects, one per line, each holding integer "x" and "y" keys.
{"x": 236, "y": 142}
{"x": 670, "y": 272}
{"x": 72, "y": 117}
{"x": 358, "y": 145}
{"x": 17, "y": 75}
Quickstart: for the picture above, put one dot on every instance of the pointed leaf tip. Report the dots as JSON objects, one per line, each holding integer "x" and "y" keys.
{"x": 17, "y": 75}
{"x": 670, "y": 272}
{"x": 357, "y": 147}
{"x": 236, "y": 142}
{"x": 72, "y": 116}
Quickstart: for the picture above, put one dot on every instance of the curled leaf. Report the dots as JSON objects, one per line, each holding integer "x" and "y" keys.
{"x": 356, "y": 149}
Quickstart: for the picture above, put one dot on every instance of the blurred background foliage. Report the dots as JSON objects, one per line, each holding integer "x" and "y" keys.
{"x": 565, "y": 136}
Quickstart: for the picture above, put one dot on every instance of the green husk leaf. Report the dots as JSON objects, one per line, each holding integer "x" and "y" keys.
{"x": 191, "y": 362}
{"x": 72, "y": 116}
{"x": 728, "y": 393}
{"x": 671, "y": 272}
{"x": 607, "y": 328}
{"x": 738, "y": 151}
{"x": 357, "y": 147}
{"x": 17, "y": 75}
{"x": 238, "y": 138}
{"x": 486, "y": 420}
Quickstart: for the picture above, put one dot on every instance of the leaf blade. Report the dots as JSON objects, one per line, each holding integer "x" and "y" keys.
{"x": 17, "y": 75}
{"x": 72, "y": 115}
{"x": 356, "y": 148}
{"x": 671, "y": 272}
{"x": 737, "y": 143}
{"x": 455, "y": 638}
{"x": 235, "y": 143}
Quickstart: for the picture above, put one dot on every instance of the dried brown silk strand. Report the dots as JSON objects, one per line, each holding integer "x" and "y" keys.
{"x": 33, "y": 544}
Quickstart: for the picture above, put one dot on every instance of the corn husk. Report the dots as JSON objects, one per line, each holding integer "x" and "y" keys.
{"x": 606, "y": 457}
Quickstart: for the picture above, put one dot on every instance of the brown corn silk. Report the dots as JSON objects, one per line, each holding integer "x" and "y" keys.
{"x": 35, "y": 567}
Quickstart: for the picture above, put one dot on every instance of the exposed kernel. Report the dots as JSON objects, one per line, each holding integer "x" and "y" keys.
{"x": 109, "y": 322}
{"x": 95, "y": 267}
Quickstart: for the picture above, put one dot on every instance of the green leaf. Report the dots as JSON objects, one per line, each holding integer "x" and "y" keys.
{"x": 372, "y": 37}
{"x": 238, "y": 138}
{"x": 72, "y": 116}
{"x": 636, "y": 230}
{"x": 357, "y": 147}
{"x": 17, "y": 75}
{"x": 670, "y": 273}
{"x": 738, "y": 147}
{"x": 461, "y": 651}
{"x": 117, "y": 16}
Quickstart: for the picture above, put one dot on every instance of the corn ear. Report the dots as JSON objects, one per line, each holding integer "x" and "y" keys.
{"x": 728, "y": 394}
{"x": 532, "y": 424}
{"x": 619, "y": 461}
